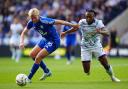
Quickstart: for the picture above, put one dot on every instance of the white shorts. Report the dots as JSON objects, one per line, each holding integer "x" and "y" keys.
{"x": 86, "y": 55}
{"x": 15, "y": 40}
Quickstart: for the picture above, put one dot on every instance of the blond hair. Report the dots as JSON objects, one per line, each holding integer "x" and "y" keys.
{"x": 33, "y": 11}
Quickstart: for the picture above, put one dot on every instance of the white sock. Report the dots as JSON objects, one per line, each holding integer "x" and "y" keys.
{"x": 110, "y": 71}
{"x": 13, "y": 52}
{"x": 18, "y": 55}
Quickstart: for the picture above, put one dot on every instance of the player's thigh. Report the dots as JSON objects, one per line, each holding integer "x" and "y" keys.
{"x": 35, "y": 51}
{"x": 103, "y": 60}
{"x": 40, "y": 45}
{"x": 41, "y": 55}
{"x": 49, "y": 47}
{"x": 86, "y": 55}
{"x": 98, "y": 52}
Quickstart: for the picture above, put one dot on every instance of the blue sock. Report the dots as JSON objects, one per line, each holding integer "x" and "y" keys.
{"x": 43, "y": 66}
{"x": 68, "y": 55}
{"x": 33, "y": 70}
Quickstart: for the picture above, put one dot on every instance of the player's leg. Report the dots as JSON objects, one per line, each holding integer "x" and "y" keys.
{"x": 42, "y": 54}
{"x": 68, "y": 54}
{"x": 13, "y": 53}
{"x": 104, "y": 62}
{"x": 18, "y": 50}
{"x": 73, "y": 45}
{"x": 18, "y": 54}
{"x": 48, "y": 48}
{"x": 34, "y": 53}
{"x": 12, "y": 48}
{"x": 73, "y": 52}
{"x": 68, "y": 51}
{"x": 86, "y": 57}
{"x": 86, "y": 66}
{"x": 108, "y": 67}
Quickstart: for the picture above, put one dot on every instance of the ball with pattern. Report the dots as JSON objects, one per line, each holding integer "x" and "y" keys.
{"x": 21, "y": 79}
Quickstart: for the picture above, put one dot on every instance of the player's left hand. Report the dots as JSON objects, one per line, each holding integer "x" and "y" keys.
{"x": 21, "y": 46}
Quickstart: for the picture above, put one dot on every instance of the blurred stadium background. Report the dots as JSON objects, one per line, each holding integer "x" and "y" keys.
{"x": 114, "y": 14}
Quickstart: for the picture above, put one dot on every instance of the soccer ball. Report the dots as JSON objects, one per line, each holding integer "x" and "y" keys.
{"x": 21, "y": 79}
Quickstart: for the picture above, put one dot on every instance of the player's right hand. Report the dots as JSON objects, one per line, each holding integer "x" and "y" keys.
{"x": 63, "y": 34}
{"x": 21, "y": 46}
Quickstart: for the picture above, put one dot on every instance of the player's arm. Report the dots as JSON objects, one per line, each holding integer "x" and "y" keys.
{"x": 73, "y": 29}
{"x": 24, "y": 32}
{"x": 62, "y": 22}
{"x": 103, "y": 31}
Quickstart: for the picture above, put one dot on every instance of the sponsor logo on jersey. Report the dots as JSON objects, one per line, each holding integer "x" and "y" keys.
{"x": 41, "y": 27}
{"x": 42, "y": 33}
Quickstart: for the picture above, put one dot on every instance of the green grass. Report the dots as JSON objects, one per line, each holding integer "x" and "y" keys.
{"x": 64, "y": 76}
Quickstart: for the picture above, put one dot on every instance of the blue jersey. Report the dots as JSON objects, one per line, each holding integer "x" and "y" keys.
{"x": 70, "y": 38}
{"x": 45, "y": 28}
{"x": 51, "y": 38}
{"x": 71, "y": 35}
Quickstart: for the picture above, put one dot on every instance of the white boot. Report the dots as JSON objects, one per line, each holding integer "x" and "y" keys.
{"x": 114, "y": 79}
{"x": 28, "y": 80}
{"x": 111, "y": 74}
{"x": 45, "y": 75}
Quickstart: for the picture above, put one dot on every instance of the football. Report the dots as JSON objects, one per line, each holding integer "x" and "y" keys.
{"x": 21, "y": 79}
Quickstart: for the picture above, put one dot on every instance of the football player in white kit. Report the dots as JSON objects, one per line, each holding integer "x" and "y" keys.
{"x": 15, "y": 30}
{"x": 91, "y": 29}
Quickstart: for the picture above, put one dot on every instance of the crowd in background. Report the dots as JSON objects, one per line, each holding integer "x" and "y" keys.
{"x": 58, "y": 9}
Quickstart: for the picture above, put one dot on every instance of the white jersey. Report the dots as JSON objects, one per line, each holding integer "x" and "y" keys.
{"x": 15, "y": 33}
{"x": 90, "y": 39}
{"x": 16, "y": 29}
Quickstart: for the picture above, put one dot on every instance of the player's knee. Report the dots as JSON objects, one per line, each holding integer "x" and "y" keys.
{"x": 38, "y": 59}
{"x": 32, "y": 55}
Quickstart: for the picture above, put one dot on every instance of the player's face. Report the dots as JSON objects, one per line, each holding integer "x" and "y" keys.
{"x": 16, "y": 20}
{"x": 34, "y": 18}
{"x": 89, "y": 17}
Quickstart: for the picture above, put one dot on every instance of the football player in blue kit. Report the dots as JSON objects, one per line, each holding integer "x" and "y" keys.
{"x": 70, "y": 39}
{"x": 49, "y": 43}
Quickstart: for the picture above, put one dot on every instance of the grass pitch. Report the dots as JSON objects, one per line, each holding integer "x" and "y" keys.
{"x": 64, "y": 76}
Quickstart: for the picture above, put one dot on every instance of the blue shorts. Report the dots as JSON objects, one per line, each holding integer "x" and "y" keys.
{"x": 70, "y": 42}
{"x": 50, "y": 46}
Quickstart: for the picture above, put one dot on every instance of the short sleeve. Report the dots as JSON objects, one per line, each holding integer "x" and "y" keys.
{"x": 49, "y": 21}
{"x": 29, "y": 24}
{"x": 64, "y": 28}
{"x": 100, "y": 24}
{"x": 11, "y": 27}
{"x": 80, "y": 22}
